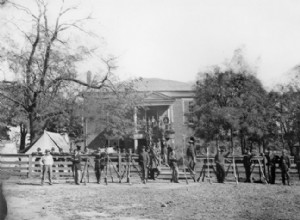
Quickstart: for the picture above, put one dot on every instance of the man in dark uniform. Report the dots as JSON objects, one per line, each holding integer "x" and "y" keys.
{"x": 144, "y": 162}
{"x": 297, "y": 161}
{"x": 247, "y": 164}
{"x": 100, "y": 163}
{"x": 154, "y": 161}
{"x": 76, "y": 159}
{"x": 220, "y": 163}
{"x": 272, "y": 159}
{"x": 285, "y": 164}
{"x": 173, "y": 165}
{"x": 169, "y": 149}
{"x": 3, "y": 204}
{"x": 191, "y": 155}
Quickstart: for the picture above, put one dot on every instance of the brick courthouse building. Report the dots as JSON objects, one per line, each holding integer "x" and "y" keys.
{"x": 167, "y": 104}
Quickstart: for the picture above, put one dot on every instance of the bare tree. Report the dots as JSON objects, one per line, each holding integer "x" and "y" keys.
{"x": 47, "y": 64}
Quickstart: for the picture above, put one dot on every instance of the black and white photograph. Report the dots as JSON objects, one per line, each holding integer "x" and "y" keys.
{"x": 149, "y": 109}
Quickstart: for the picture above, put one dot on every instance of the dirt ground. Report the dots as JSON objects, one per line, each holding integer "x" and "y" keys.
{"x": 159, "y": 199}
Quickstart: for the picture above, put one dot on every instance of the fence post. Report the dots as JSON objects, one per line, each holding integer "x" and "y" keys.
{"x": 119, "y": 160}
{"x": 29, "y": 166}
{"x": 129, "y": 166}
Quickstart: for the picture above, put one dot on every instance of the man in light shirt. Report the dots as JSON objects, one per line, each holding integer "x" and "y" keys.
{"x": 46, "y": 163}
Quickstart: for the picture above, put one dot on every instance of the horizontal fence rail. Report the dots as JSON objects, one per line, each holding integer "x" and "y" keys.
{"x": 24, "y": 165}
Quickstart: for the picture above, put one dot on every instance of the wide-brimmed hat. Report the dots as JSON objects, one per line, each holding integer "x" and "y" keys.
{"x": 192, "y": 140}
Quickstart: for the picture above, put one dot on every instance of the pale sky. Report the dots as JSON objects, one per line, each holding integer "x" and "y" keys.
{"x": 175, "y": 39}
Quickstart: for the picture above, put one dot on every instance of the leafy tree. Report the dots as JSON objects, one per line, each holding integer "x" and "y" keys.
{"x": 230, "y": 102}
{"x": 111, "y": 112}
{"x": 287, "y": 108}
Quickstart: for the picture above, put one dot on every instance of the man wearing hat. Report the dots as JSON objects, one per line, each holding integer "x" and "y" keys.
{"x": 247, "y": 164}
{"x": 220, "y": 163}
{"x": 285, "y": 164}
{"x": 173, "y": 165}
{"x": 272, "y": 159}
{"x": 144, "y": 162}
{"x": 191, "y": 155}
{"x": 46, "y": 163}
{"x": 76, "y": 159}
{"x": 100, "y": 163}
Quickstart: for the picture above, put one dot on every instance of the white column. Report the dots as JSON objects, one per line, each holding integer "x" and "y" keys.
{"x": 135, "y": 129}
{"x": 135, "y": 145}
{"x": 172, "y": 113}
{"x": 135, "y": 119}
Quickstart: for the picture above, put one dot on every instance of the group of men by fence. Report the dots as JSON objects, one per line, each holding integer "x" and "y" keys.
{"x": 151, "y": 158}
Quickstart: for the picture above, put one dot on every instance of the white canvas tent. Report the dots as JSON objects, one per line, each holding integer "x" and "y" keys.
{"x": 48, "y": 141}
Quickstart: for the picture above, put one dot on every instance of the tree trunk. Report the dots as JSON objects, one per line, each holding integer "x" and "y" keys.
{"x": 290, "y": 145}
{"x": 23, "y": 133}
{"x": 264, "y": 145}
{"x": 242, "y": 144}
{"x": 231, "y": 139}
{"x": 31, "y": 131}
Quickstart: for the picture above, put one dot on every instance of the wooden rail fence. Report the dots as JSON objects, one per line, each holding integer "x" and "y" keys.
{"x": 28, "y": 166}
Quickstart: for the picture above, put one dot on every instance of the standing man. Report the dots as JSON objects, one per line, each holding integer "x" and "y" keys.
{"x": 164, "y": 153}
{"x": 100, "y": 163}
{"x": 144, "y": 162}
{"x": 46, "y": 163}
{"x": 297, "y": 161}
{"x": 77, "y": 165}
{"x": 247, "y": 164}
{"x": 173, "y": 165}
{"x": 285, "y": 164}
{"x": 272, "y": 159}
{"x": 169, "y": 149}
{"x": 220, "y": 163}
{"x": 191, "y": 155}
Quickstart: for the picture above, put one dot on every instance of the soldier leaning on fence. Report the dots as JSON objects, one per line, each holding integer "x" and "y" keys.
{"x": 100, "y": 163}
{"x": 247, "y": 164}
{"x": 285, "y": 164}
{"x": 173, "y": 165}
{"x": 220, "y": 163}
{"x": 144, "y": 162}
{"x": 76, "y": 159}
{"x": 191, "y": 154}
{"x": 46, "y": 163}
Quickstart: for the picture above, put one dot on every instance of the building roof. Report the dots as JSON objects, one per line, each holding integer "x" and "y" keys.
{"x": 155, "y": 84}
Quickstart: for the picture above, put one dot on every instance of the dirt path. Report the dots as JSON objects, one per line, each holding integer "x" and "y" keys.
{"x": 155, "y": 200}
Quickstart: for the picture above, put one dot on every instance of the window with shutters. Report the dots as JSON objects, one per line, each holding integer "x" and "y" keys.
{"x": 189, "y": 111}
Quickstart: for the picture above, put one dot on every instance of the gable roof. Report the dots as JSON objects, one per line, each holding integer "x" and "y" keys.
{"x": 157, "y": 96}
{"x": 48, "y": 141}
{"x": 155, "y": 84}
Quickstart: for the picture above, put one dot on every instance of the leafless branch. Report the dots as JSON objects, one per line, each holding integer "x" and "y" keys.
{"x": 12, "y": 100}
{"x": 22, "y": 8}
